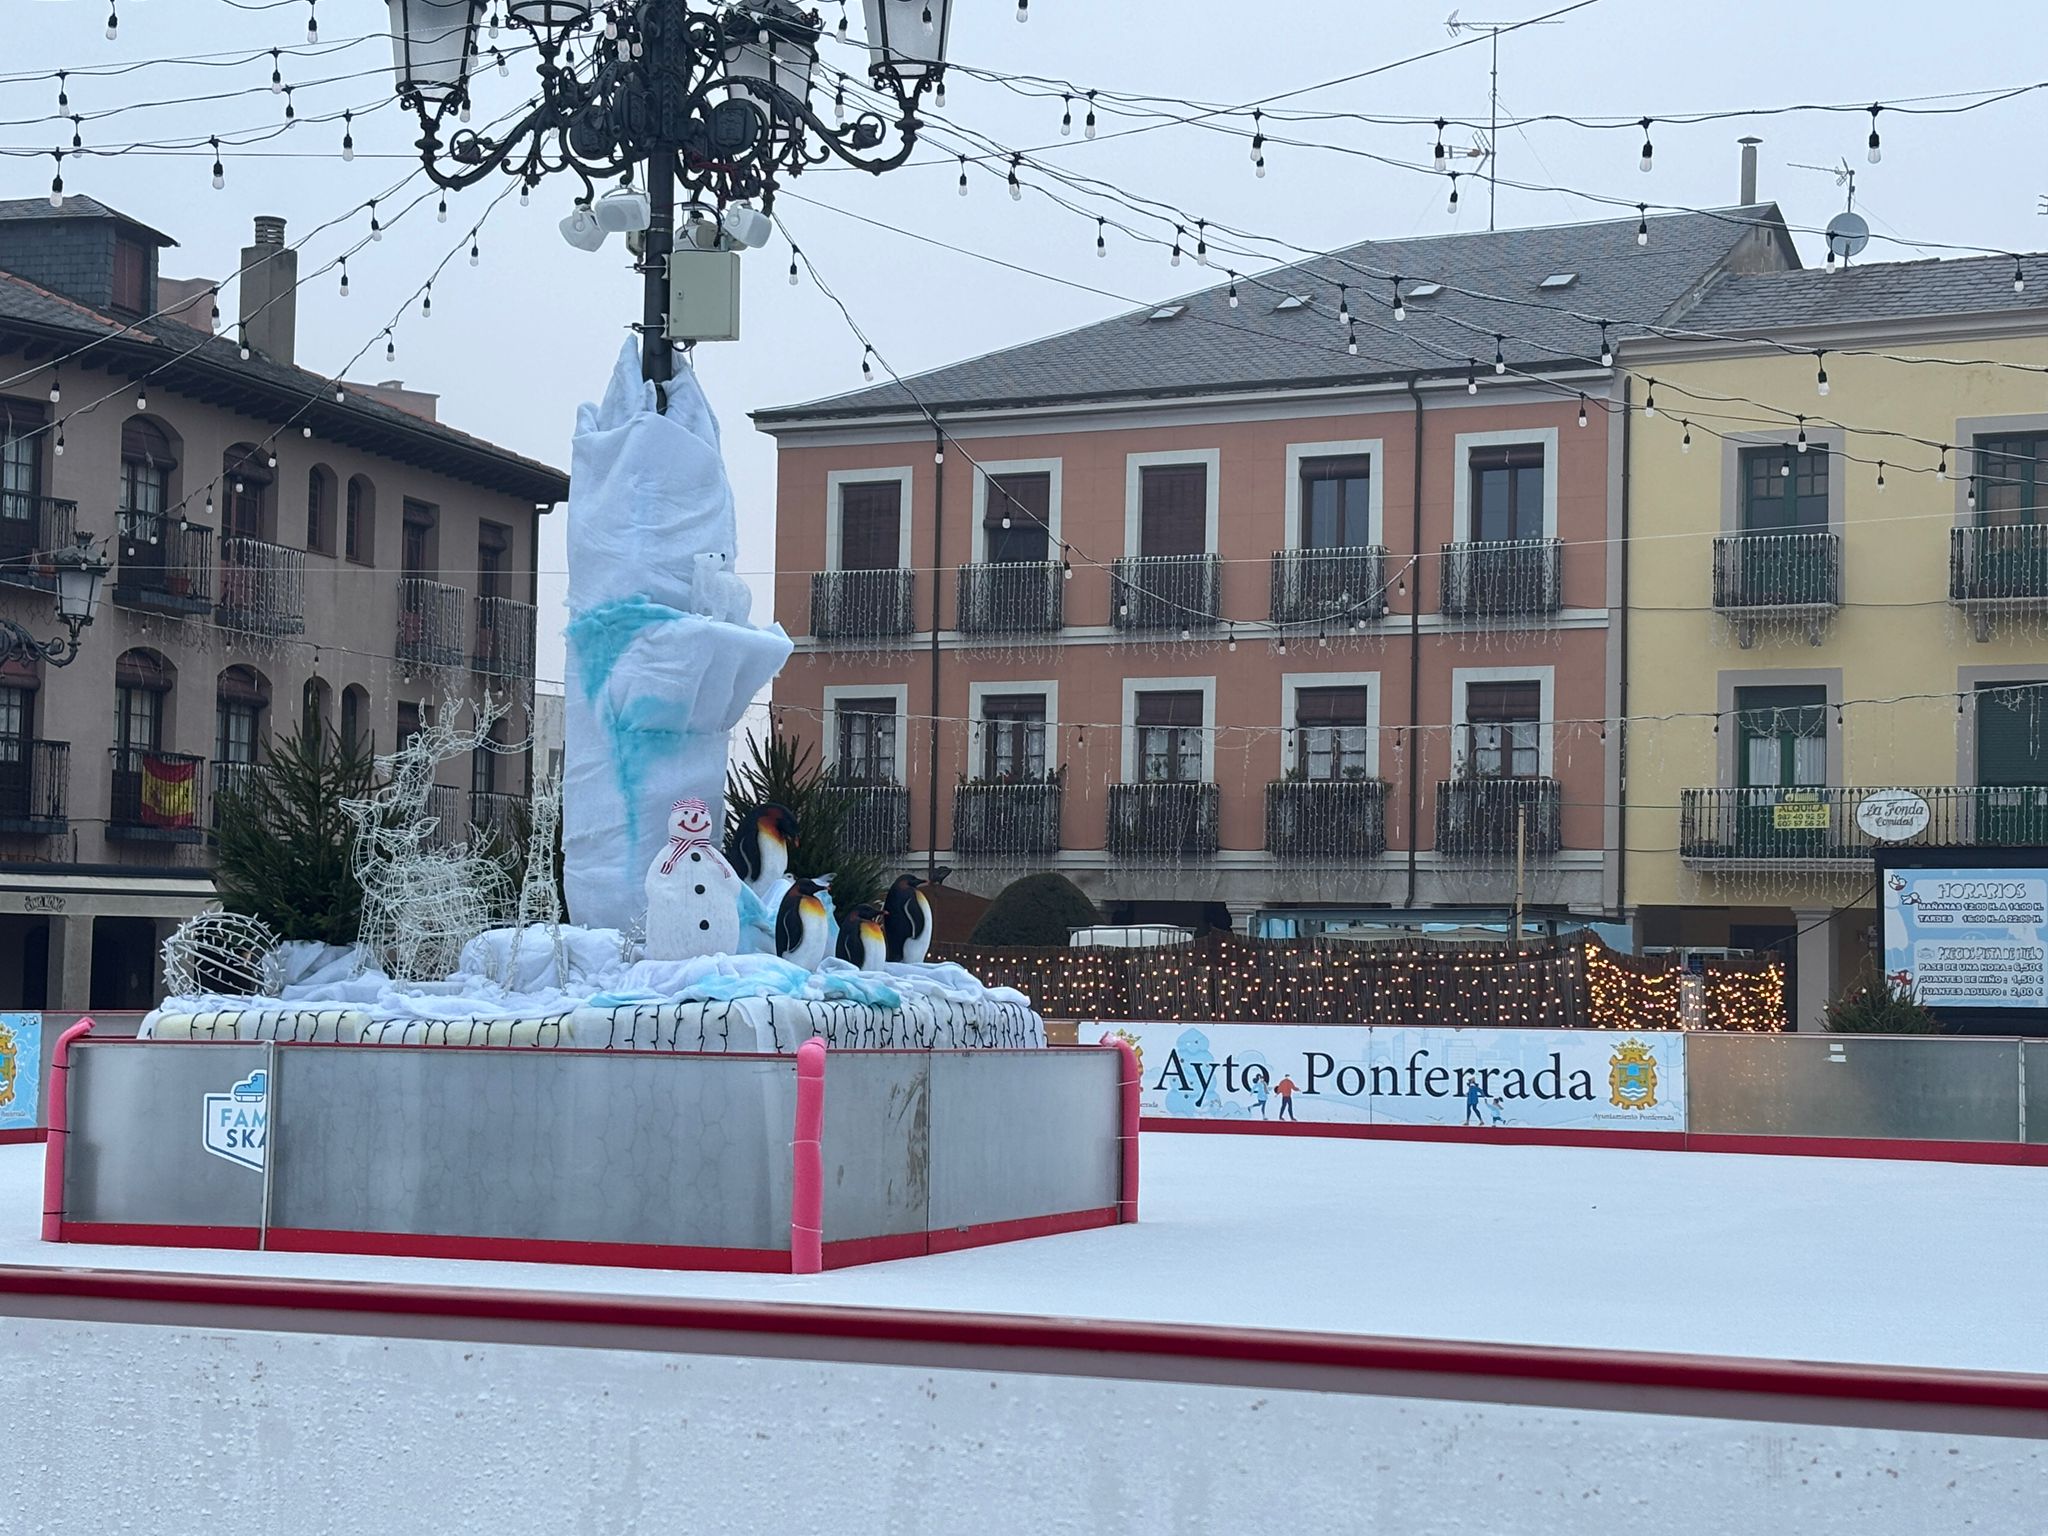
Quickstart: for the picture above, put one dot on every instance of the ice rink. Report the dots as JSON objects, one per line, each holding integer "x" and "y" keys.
{"x": 1893, "y": 1263}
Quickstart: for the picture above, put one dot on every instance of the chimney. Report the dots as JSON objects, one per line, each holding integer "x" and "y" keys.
{"x": 269, "y": 291}
{"x": 1749, "y": 171}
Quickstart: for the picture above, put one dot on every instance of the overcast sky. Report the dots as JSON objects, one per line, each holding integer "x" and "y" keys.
{"x": 516, "y": 343}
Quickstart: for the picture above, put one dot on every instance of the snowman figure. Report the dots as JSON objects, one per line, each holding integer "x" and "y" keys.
{"x": 692, "y": 893}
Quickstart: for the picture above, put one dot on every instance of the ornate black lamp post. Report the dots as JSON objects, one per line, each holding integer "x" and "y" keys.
{"x": 79, "y": 575}
{"x": 712, "y": 96}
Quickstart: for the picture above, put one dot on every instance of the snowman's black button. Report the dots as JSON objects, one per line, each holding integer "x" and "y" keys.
{"x": 704, "y": 923}
{"x": 700, "y": 890}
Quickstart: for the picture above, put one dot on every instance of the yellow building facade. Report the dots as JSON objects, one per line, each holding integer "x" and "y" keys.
{"x": 1807, "y": 628}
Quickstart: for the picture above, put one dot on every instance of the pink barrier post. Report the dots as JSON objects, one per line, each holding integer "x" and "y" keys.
{"x": 59, "y": 1134}
{"x": 1127, "y": 1134}
{"x": 807, "y": 1171}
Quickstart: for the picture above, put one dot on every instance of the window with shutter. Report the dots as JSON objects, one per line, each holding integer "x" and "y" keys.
{"x": 21, "y": 457}
{"x": 1330, "y": 733}
{"x": 1503, "y": 724}
{"x": 1173, "y": 509}
{"x": 870, "y": 522}
{"x": 1024, "y": 501}
{"x": 2012, "y": 733}
{"x": 1169, "y": 727}
{"x": 867, "y": 741}
{"x": 1013, "y": 736}
{"x": 2012, "y": 478}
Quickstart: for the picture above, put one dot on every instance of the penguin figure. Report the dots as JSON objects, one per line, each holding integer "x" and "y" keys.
{"x": 907, "y": 921}
{"x": 860, "y": 938}
{"x": 760, "y": 846}
{"x": 803, "y": 935}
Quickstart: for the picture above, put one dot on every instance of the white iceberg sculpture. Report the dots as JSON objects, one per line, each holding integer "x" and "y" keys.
{"x": 662, "y": 662}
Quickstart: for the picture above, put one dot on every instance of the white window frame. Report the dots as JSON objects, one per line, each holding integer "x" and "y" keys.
{"x": 898, "y": 693}
{"x": 982, "y": 474}
{"x": 1519, "y": 437}
{"x": 1372, "y": 448}
{"x": 1133, "y": 686}
{"x": 1134, "y": 490}
{"x": 1291, "y": 684}
{"x": 837, "y": 480}
{"x": 1545, "y": 679}
{"x": 979, "y": 693}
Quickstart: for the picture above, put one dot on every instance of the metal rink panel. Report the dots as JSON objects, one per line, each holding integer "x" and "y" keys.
{"x": 1909, "y": 1087}
{"x": 877, "y": 1143}
{"x": 1019, "y": 1134}
{"x": 137, "y": 1145}
{"x": 616, "y": 1148}
{"x": 2034, "y": 1063}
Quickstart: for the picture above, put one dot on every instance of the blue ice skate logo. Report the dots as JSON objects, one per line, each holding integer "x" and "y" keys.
{"x": 237, "y": 1125}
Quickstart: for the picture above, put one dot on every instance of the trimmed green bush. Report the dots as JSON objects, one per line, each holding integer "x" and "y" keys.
{"x": 1038, "y": 909}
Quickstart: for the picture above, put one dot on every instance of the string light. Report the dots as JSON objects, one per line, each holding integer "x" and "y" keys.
{"x": 348, "y": 137}
{"x": 1500, "y": 361}
{"x": 1400, "y": 309}
{"x": 142, "y": 394}
{"x": 1471, "y": 377}
{"x": 1178, "y": 232}
{"x": 312, "y": 21}
{"x": 113, "y": 23}
{"x": 1343, "y": 304}
{"x": 1452, "y": 206}
{"x": 1941, "y": 469}
{"x": 290, "y": 112}
{"x": 57, "y": 181}
{"x": 1650, "y": 399}
{"x": 376, "y": 229}
{"x": 344, "y": 277}
{"x": 276, "y": 72}
{"x": 1606, "y": 347}
{"x": 1101, "y": 243}
{"x": 56, "y": 386}
{"x": 1088, "y": 122}
{"x": 1201, "y": 242}
{"x": 1648, "y": 151}
{"x": 2019, "y": 276}
{"x": 1441, "y": 155}
{"x": 1876, "y": 150}
{"x": 1802, "y": 435}
{"x": 1582, "y": 408}
{"x": 793, "y": 254}
{"x": 220, "y": 174}
{"x": 1016, "y": 186}
{"x": 1258, "y": 142}
{"x": 1685, "y": 442}
{"x": 963, "y": 175}
{"x": 867, "y": 370}
{"x": 1066, "y": 117}
{"x": 1880, "y": 475}
{"x": 1821, "y": 377}
{"x": 1642, "y": 223}
{"x": 1233, "y": 290}
{"x": 1970, "y": 495}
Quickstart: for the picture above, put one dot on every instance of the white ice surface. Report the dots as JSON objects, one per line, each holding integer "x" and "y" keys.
{"x": 1789, "y": 1258}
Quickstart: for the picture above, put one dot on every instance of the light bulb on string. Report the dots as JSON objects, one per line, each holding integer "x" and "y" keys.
{"x": 1400, "y": 309}
{"x": 476, "y": 255}
{"x": 1642, "y": 223}
{"x": 1648, "y": 151}
{"x": 1088, "y": 122}
{"x": 376, "y": 229}
{"x": 1066, "y": 117}
{"x": 1233, "y": 290}
{"x": 306, "y": 429}
{"x": 1101, "y": 244}
{"x": 344, "y": 277}
{"x": 142, "y": 395}
{"x": 63, "y": 96}
{"x": 1471, "y": 377}
{"x": 390, "y": 348}
{"x": 842, "y": 27}
{"x": 1452, "y": 205}
{"x": 1685, "y": 442}
{"x": 1016, "y": 186}
{"x": 290, "y": 112}
{"x": 1941, "y": 469}
{"x": 1802, "y": 445}
{"x": 1201, "y": 243}
{"x": 220, "y": 174}
{"x": 312, "y": 21}
{"x": 1606, "y": 347}
{"x": 1343, "y": 305}
{"x": 1178, "y": 231}
{"x": 57, "y": 181}
{"x": 113, "y": 23}
{"x": 1582, "y": 408}
{"x": 340, "y": 395}
{"x": 427, "y": 302}
{"x": 1351, "y": 340}
{"x": 348, "y": 136}
{"x": 276, "y": 72}
{"x": 1442, "y": 155}
{"x": 867, "y": 370}
{"x": 242, "y": 341}
{"x": 525, "y": 193}
{"x": 56, "y": 386}
{"x": 1650, "y": 399}
{"x": 60, "y": 440}
{"x": 839, "y": 101}
{"x": 77, "y": 137}
{"x": 498, "y": 58}
{"x": 1880, "y": 474}
{"x": 927, "y": 18}
{"x": 1820, "y": 382}
{"x": 1233, "y": 639}
{"x": 1876, "y": 148}
{"x": 963, "y": 175}
{"x": 1023, "y": 10}
{"x": 1500, "y": 361}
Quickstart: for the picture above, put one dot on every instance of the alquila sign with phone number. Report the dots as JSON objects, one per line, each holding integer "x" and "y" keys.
{"x": 1561, "y": 1079}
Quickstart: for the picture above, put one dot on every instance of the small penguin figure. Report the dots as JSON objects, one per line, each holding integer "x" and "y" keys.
{"x": 692, "y": 893}
{"x": 860, "y": 938}
{"x": 760, "y": 846}
{"x": 803, "y": 936}
{"x": 907, "y": 921}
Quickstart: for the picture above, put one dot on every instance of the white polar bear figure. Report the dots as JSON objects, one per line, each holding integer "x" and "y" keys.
{"x": 716, "y": 592}
{"x": 692, "y": 893}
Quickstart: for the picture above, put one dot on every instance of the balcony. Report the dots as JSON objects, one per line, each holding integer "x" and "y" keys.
{"x": 1325, "y": 821}
{"x": 1313, "y": 585}
{"x": 1024, "y": 597}
{"x": 504, "y": 639}
{"x": 861, "y": 605}
{"x": 165, "y": 565}
{"x": 35, "y": 785}
{"x": 1730, "y": 828}
{"x": 430, "y": 628}
{"x": 497, "y": 817}
{"x": 1998, "y": 567}
{"x": 444, "y": 806}
{"x": 230, "y": 780}
{"x": 1761, "y": 576}
{"x": 1007, "y": 821}
{"x": 1476, "y": 818}
{"x": 32, "y": 528}
{"x": 157, "y": 797}
{"x": 1503, "y": 579}
{"x": 874, "y": 819}
{"x": 1162, "y": 820}
{"x": 1152, "y": 593}
{"x": 262, "y": 588}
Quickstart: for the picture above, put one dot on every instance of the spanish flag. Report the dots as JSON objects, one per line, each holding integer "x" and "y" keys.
{"x": 169, "y": 793}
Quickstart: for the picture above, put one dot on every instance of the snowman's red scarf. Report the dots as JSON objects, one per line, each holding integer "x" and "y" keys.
{"x": 678, "y": 846}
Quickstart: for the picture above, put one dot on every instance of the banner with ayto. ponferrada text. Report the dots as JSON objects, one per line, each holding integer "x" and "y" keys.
{"x": 1556, "y": 1079}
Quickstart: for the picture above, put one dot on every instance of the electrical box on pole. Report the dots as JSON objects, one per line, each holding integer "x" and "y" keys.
{"x": 703, "y": 295}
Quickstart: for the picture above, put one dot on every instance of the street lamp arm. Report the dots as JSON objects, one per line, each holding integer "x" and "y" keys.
{"x": 17, "y": 644}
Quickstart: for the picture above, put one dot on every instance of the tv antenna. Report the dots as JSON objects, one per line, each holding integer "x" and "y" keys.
{"x": 1487, "y": 150}
{"x": 1848, "y": 232}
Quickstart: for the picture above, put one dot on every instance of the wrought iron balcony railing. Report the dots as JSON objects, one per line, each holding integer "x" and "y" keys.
{"x": 1165, "y": 819}
{"x": 1503, "y": 578}
{"x": 1777, "y": 571}
{"x": 504, "y": 638}
{"x": 1165, "y": 593}
{"x": 35, "y": 786}
{"x": 1819, "y": 824}
{"x": 862, "y": 605}
{"x": 1022, "y": 597}
{"x": 262, "y": 588}
{"x": 32, "y": 529}
{"x": 1326, "y": 820}
{"x": 430, "y": 628}
{"x": 444, "y": 805}
{"x": 2004, "y": 563}
{"x": 496, "y": 816}
{"x": 1340, "y": 585}
{"x": 876, "y": 819}
{"x": 1476, "y": 818}
{"x": 230, "y": 780}
{"x": 1007, "y": 821}
{"x": 157, "y": 796}
{"x": 165, "y": 565}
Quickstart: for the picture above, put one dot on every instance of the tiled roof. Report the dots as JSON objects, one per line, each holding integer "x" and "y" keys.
{"x": 1211, "y": 348}
{"x": 76, "y": 206}
{"x": 1894, "y": 290}
{"x": 208, "y": 367}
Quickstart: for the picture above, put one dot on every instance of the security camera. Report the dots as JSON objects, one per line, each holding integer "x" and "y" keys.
{"x": 582, "y": 230}
{"x": 623, "y": 209}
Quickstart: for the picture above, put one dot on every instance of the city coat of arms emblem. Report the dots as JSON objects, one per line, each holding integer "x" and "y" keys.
{"x": 1632, "y": 1076}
